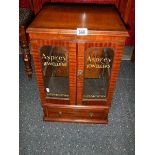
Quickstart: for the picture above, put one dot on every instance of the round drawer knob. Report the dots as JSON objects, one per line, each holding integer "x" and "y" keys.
{"x": 79, "y": 74}
{"x": 91, "y": 114}
{"x": 60, "y": 113}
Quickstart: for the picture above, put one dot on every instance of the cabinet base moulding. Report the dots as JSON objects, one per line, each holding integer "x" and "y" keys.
{"x": 69, "y": 120}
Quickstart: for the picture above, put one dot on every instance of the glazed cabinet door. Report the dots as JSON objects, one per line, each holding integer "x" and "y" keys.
{"x": 57, "y": 63}
{"x": 95, "y": 62}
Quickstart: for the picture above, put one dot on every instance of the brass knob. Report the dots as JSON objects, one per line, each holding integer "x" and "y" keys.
{"x": 60, "y": 113}
{"x": 91, "y": 114}
{"x": 79, "y": 74}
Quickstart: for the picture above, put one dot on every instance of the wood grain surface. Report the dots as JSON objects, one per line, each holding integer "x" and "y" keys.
{"x": 60, "y": 19}
{"x": 56, "y": 26}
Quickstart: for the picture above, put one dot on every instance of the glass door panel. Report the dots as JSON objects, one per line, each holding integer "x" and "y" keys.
{"x": 54, "y": 61}
{"x": 97, "y": 67}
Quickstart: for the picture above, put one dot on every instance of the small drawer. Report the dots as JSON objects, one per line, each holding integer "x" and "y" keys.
{"x": 77, "y": 115}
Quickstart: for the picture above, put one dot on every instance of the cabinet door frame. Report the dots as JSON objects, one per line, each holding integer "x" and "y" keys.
{"x": 71, "y": 47}
{"x": 82, "y": 47}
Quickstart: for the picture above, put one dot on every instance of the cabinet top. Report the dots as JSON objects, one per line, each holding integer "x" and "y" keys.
{"x": 98, "y": 19}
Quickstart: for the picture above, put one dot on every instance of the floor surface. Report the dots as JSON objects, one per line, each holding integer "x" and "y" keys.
{"x": 52, "y": 138}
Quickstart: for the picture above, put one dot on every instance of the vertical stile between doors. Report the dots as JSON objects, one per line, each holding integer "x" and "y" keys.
{"x": 72, "y": 72}
{"x": 80, "y": 68}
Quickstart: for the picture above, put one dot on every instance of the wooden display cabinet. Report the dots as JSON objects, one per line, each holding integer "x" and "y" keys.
{"x": 77, "y": 69}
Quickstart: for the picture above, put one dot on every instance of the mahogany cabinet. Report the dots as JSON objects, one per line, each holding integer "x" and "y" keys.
{"x": 77, "y": 51}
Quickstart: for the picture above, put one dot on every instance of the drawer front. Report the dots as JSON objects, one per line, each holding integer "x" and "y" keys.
{"x": 77, "y": 115}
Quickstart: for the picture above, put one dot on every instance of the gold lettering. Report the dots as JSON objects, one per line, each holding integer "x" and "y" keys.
{"x": 108, "y": 66}
{"x": 44, "y": 56}
{"x": 48, "y": 57}
{"x": 64, "y": 64}
{"x": 107, "y": 60}
{"x": 55, "y": 64}
{"x": 89, "y": 59}
{"x": 54, "y": 60}
{"x": 97, "y": 62}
